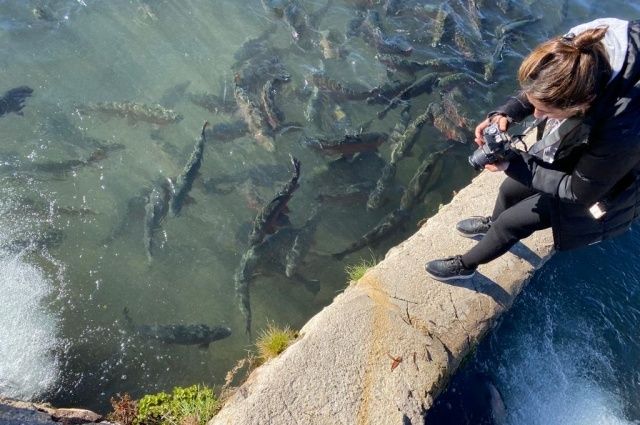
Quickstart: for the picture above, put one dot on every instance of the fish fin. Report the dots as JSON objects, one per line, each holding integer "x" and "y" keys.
{"x": 204, "y": 346}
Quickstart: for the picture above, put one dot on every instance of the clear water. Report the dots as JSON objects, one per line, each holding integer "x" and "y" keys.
{"x": 72, "y": 255}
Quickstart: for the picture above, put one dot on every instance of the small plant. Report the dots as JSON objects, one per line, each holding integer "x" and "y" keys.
{"x": 273, "y": 341}
{"x": 124, "y": 411}
{"x": 193, "y": 405}
{"x": 357, "y": 270}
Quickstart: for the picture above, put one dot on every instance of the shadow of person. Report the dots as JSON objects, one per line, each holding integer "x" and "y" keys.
{"x": 483, "y": 285}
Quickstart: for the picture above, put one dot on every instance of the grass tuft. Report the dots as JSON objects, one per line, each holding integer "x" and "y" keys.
{"x": 357, "y": 270}
{"x": 273, "y": 341}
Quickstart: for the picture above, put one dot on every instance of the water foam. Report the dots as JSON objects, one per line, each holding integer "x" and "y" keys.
{"x": 29, "y": 365}
{"x": 28, "y": 342}
{"x": 559, "y": 380}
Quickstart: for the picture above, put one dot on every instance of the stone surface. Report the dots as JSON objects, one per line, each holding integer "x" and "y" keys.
{"x": 15, "y": 412}
{"x": 386, "y": 347}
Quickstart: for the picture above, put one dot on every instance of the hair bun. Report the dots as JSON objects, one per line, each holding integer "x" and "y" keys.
{"x": 586, "y": 40}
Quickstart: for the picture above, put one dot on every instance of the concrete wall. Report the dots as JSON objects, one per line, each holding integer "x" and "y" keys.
{"x": 341, "y": 370}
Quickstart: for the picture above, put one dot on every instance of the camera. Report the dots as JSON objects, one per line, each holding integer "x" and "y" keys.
{"x": 495, "y": 148}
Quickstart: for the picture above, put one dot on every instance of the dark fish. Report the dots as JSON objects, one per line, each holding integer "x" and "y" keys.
{"x": 420, "y": 182}
{"x": 422, "y": 85}
{"x": 13, "y": 100}
{"x": 196, "y": 334}
{"x": 274, "y": 213}
{"x": 350, "y": 144}
{"x": 442, "y": 24}
{"x": 47, "y": 238}
{"x": 184, "y": 181}
{"x": 387, "y": 225}
{"x": 332, "y": 44}
{"x": 302, "y": 244}
{"x": 378, "y": 194}
{"x": 242, "y": 280}
{"x": 415, "y": 191}
{"x": 213, "y": 103}
{"x": 174, "y": 94}
{"x": 374, "y": 34}
{"x": 411, "y": 66}
{"x": 345, "y": 193}
{"x": 227, "y": 131}
{"x": 155, "y": 211}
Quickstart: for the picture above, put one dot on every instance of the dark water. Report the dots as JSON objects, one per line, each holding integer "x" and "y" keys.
{"x": 71, "y": 238}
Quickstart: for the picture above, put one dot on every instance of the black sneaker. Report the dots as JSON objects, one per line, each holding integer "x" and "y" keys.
{"x": 448, "y": 269}
{"x": 474, "y": 226}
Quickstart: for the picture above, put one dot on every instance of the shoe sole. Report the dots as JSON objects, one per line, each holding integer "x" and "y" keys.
{"x": 470, "y": 235}
{"x": 444, "y": 279}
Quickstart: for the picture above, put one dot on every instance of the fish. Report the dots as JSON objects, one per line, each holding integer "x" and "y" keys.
{"x": 490, "y": 66}
{"x": 194, "y": 334}
{"x": 515, "y": 25}
{"x": 155, "y": 211}
{"x": 441, "y": 25}
{"x": 267, "y": 257}
{"x": 371, "y": 27}
{"x": 268, "y": 103}
{"x": 332, "y": 45}
{"x": 419, "y": 183}
{"x": 242, "y": 280}
{"x": 13, "y": 100}
{"x": 388, "y": 224}
{"x": 443, "y": 122}
{"x": 424, "y": 84}
{"x": 227, "y": 131}
{"x": 174, "y": 94}
{"x": 274, "y": 213}
{"x": 348, "y": 145}
{"x": 213, "y": 103}
{"x": 256, "y": 122}
{"x": 184, "y": 181}
{"x": 302, "y": 244}
{"x": 134, "y": 112}
{"x": 377, "y": 195}
{"x": 410, "y": 67}
{"x": 336, "y": 89}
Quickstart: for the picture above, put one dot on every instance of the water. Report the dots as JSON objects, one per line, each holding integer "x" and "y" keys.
{"x": 567, "y": 352}
{"x": 72, "y": 253}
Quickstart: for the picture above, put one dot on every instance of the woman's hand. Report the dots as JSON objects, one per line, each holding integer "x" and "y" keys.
{"x": 503, "y": 124}
{"x": 498, "y": 166}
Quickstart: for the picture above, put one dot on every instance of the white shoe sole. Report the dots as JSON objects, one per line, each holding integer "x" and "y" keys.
{"x": 444, "y": 279}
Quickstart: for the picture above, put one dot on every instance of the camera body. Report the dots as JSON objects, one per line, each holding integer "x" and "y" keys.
{"x": 495, "y": 148}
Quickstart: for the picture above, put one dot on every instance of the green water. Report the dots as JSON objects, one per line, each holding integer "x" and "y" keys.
{"x": 98, "y": 51}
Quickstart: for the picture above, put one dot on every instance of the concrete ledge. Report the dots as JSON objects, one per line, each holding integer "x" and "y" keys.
{"x": 386, "y": 347}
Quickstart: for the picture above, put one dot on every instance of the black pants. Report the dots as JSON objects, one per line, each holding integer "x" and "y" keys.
{"x": 519, "y": 211}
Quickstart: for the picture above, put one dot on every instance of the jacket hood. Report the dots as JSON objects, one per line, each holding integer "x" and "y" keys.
{"x": 615, "y": 41}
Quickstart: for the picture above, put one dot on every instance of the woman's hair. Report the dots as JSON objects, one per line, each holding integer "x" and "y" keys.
{"x": 567, "y": 72}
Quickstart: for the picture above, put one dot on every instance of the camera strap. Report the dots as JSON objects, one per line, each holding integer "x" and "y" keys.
{"x": 555, "y": 132}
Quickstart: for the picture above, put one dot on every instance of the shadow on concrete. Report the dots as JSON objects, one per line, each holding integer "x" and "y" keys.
{"x": 483, "y": 285}
{"x": 520, "y": 250}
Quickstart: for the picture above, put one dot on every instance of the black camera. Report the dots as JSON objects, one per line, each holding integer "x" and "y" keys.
{"x": 495, "y": 148}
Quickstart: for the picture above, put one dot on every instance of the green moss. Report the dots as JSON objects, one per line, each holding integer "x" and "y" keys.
{"x": 273, "y": 341}
{"x": 357, "y": 270}
{"x": 194, "y": 405}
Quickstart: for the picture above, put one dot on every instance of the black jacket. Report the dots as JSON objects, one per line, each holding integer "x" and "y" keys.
{"x": 599, "y": 163}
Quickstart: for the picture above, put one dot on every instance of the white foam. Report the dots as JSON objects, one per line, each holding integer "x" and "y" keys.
{"x": 28, "y": 363}
{"x": 558, "y": 380}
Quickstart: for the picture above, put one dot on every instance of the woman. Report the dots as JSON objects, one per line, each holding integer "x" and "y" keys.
{"x": 582, "y": 178}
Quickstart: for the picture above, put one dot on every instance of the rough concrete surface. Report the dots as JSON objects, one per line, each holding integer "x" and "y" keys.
{"x": 386, "y": 347}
